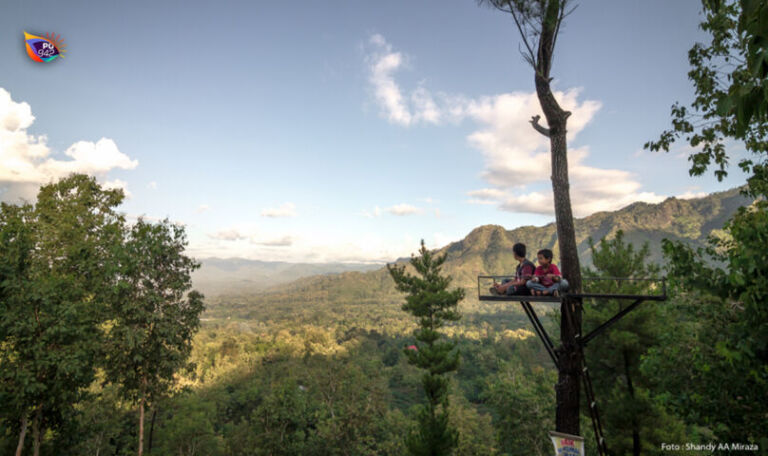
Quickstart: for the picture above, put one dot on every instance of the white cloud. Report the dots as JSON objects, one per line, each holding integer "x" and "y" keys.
{"x": 230, "y": 234}
{"x": 26, "y": 161}
{"x": 397, "y": 107}
{"x": 203, "y": 208}
{"x": 152, "y": 185}
{"x": 285, "y": 210}
{"x": 691, "y": 194}
{"x": 515, "y": 156}
{"x": 404, "y": 209}
{"x": 285, "y": 241}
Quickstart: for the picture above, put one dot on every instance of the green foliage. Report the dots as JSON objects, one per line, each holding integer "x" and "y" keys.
{"x": 153, "y": 315}
{"x": 54, "y": 267}
{"x": 727, "y": 323}
{"x": 433, "y": 305}
{"x": 524, "y": 409}
{"x": 187, "y": 429}
{"x": 630, "y": 415}
{"x": 729, "y": 79}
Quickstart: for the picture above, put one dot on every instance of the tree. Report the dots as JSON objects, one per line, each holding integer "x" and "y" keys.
{"x": 16, "y": 246}
{"x": 55, "y": 299}
{"x": 733, "y": 334}
{"x": 433, "y": 305}
{"x": 727, "y": 279}
{"x": 522, "y": 401}
{"x": 538, "y": 22}
{"x": 730, "y": 79}
{"x": 630, "y": 414}
{"x": 154, "y": 314}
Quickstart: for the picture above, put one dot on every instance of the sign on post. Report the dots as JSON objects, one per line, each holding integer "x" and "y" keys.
{"x": 567, "y": 444}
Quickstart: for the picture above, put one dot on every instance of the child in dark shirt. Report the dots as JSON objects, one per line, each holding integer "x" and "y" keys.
{"x": 523, "y": 273}
{"x": 547, "y": 279}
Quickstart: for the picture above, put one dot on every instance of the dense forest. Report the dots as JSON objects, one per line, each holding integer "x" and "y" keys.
{"x": 323, "y": 369}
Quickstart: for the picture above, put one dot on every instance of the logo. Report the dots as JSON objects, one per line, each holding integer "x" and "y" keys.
{"x": 45, "y": 49}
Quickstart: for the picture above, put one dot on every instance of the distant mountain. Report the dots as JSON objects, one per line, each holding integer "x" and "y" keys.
{"x": 488, "y": 250}
{"x": 236, "y": 275}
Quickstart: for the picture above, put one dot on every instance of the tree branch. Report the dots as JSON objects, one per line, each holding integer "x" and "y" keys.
{"x": 536, "y": 126}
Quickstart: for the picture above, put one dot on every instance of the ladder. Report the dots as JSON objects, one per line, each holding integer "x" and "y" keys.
{"x": 592, "y": 406}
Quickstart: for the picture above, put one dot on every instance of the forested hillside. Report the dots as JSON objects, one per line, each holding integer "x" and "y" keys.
{"x": 371, "y": 296}
{"x": 228, "y": 275}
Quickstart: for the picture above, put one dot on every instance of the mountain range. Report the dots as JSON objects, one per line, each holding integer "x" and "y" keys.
{"x": 486, "y": 250}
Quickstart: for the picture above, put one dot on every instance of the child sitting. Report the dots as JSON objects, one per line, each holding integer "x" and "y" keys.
{"x": 547, "y": 279}
{"x": 523, "y": 274}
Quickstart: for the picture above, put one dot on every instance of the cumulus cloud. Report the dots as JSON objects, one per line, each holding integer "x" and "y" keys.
{"x": 26, "y": 161}
{"x": 203, "y": 208}
{"x": 404, "y": 209}
{"x": 285, "y": 210}
{"x": 515, "y": 156}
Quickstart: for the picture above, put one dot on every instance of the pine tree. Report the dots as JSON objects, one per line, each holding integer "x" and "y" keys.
{"x": 430, "y": 301}
{"x": 633, "y": 420}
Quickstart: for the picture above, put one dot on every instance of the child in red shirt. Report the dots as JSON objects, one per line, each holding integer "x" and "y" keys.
{"x": 547, "y": 279}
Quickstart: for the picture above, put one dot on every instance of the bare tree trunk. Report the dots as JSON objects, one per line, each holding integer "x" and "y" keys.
{"x": 152, "y": 428}
{"x": 635, "y": 426}
{"x": 142, "y": 402}
{"x": 141, "y": 426}
{"x": 22, "y": 435}
{"x": 36, "y": 434}
{"x": 569, "y": 370}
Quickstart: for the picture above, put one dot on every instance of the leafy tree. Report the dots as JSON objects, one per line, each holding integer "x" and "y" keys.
{"x": 187, "y": 429}
{"x": 433, "y": 305}
{"x": 730, "y": 79}
{"x": 521, "y": 399}
{"x": 16, "y": 375}
{"x": 538, "y": 22}
{"x": 154, "y": 315}
{"x": 630, "y": 415}
{"x": 731, "y": 342}
{"x": 727, "y": 279}
{"x": 59, "y": 253}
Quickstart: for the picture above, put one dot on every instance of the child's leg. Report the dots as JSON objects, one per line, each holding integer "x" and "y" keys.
{"x": 551, "y": 289}
{"x": 535, "y": 286}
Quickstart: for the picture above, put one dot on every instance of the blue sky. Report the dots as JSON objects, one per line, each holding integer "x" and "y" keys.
{"x": 340, "y": 130}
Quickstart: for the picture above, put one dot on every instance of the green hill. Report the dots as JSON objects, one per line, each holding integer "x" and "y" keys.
{"x": 486, "y": 250}
{"x": 228, "y": 275}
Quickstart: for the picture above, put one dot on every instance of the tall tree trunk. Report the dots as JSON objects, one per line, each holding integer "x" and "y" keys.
{"x": 635, "y": 426}
{"x": 569, "y": 369}
{"x": 151, "y": 429}
{"x": 36, "y": 434}
{"x": 141, "y": 426}
{"x": 142, "y": 402}
{"x": 22, "y": 435}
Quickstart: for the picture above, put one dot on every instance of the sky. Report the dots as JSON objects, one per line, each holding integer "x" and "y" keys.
{"x": 313, "y": 131}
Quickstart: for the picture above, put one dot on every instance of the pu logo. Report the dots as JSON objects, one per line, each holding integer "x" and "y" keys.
{"x": 44, "y": 49}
